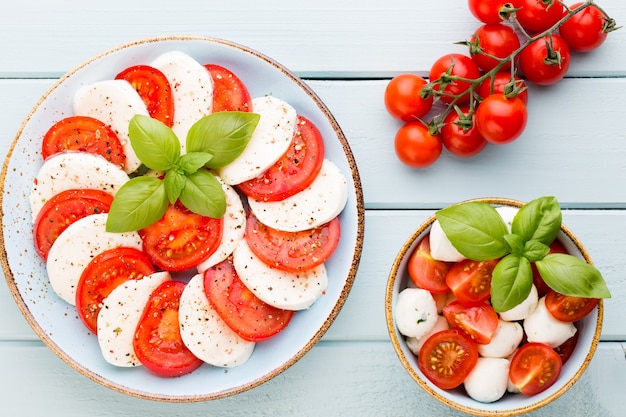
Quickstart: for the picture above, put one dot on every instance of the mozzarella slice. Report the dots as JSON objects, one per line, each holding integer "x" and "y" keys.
{"x": 416, "y": 312}
{"x": 504, "y": 342}
{"x": 119, "y": 316}
{"x": 322, "y": 201}
{"x": 269, "y": 142}
{"x": 70, "y": 170}
{"x": 205, "y": 334}
{"x": 281, "y": 289}
{"x": 192, "y": 90}
{"x": 415, "y": 344}
{"x": 523, "y": 309}
{"x": 488, "y": 380}
{"x": 541, "y": 327}
{"x": 113, "y": 102}
{"x": 76, "y": 246}
{"x": 441, "y": 248}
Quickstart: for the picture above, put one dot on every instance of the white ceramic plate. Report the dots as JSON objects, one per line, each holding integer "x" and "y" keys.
{"x": 56, "y": 322}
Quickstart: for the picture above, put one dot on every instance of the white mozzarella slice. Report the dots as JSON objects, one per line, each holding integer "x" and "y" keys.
{"x": 113, "y": 102}
{"x": 322, "y": 201}
{"x": 488, "y": 380}
{"x": 541, "y": 327}
{"x": 281, "y": 289}
{"x": 268, "y": 143}
{"x": 415, "y": 344}
{"x": 70, "y": 170}
{"x": 119, "y": 316}
{"x": 416, "y": 312}
{"x": 505, "y": 340}
{"x": 441, "y": 248}
{"x": 205, "y": 334}
{"x": 523, "y": 309}
{"x": 192, "y": 90}
{"x": 76, "y": 246}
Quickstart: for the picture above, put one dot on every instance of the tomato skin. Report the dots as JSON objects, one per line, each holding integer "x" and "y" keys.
{"x": 478, "y": 322}
{"x": 497, "y": 40}
{"x": 536, "y": 16}
{"x": 487, "y": 11}
{"x": 458, "y": 140}
{"x": 470, "y": 281}
{"x": 534, "y": 368}
{"x": 542, "y": 287}
{"x": 402, "y": 97}
{"x": 499, "y": 84}
{"x": 501, "y": 120}
{"x": 567, "y": 308}
{"x": 416, "y": 147}
{"x": 566, "y": 349}
{"x": 459, "y": 65}
{"x": 584, "y": 32}
{"x": 428, "y": 273}
{"x": 229, "y": 92}
{"x": 532, "y": 60}
{"x": 447, "y": 357}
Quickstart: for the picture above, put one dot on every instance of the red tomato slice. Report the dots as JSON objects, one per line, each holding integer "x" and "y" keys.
{"x": 425, "y": 271}
{"x": 470, "y": 281}
{"x": 153, "y": 88}
{"x": 292, "y": 251}
{"x": 478, "y": 322}
{"x": 102, "y": 275}
{"x": 534, "y": 368}
{"x": 158, "y": 343}
{"x": 294, "y": 171}
{"x": 241, "y": 310}
{"x": 447, "y": 357}
{"x": 566, "y": 349}
{"x": 229, "y": 92}
{"x": 568, "y": 308}
{"x": 181, "y": 239}
{"x": 83, "y": 134}
{"x": 64, "y": 209}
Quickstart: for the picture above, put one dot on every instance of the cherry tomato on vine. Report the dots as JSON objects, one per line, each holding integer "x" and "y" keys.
{"x": 536, "y": 16}
{"x": 415, "y": 146}
{"x": 500, "y": 119}
{"x": 500, "y": 83}
{"x": 487, "y": 11}
{"x": 460, "y": 137}
{"x": 402, "y": 97}
{"x": 546, "y": 60}
{"x": 585, "y": 30}
{"x": 494, "y": 40}
{"x": 458, "y": 65}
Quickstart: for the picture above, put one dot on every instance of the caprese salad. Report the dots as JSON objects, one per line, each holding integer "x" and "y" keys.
{"x": 120, "y": 205}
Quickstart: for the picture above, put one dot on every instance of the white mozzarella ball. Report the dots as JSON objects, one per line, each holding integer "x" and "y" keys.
{"x": 416, "y": 312}
{"x": 441, "y": 248}
{"x": 488, "y": 381}
{"x": 523, "y": 309}
{"x": 507, "y": 213}
{"x": 541, "y": 327}
{"x": 505, "y": 340}
{"x": 416, "y": 344}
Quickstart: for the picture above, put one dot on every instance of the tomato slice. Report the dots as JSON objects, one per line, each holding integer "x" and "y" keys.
{"x": 425, "y": 271}
{"x": 154, "y": 89}
{"x": 241, "y": 310}
{"x": 568, "y": 308}
{"x": 294, "y": 171}
{"x": 64, "y": 209}
{"x": 181, "y": 239}
{"x": 470, "y": 281}
{"x": 478, "y": 322}
{"x": 292, "y": 251}
{"x": 229, "y": 92}
{"x": 542, "y": 287}
{"x": 447, "y": 357}
{"x": 534, "y": 368}
{"x": 102, "y": 275}
{"x": 566, "y": 349}
{"x": 158, "y": 343}
{"x": 83, "y": 134}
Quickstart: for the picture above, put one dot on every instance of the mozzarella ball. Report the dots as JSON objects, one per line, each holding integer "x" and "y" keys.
{"x": 523, "y": 309}
{"x": 507, "y": 213}
{"x": 489, "y": 379}
{"x": 505, "y": 340}
{"x": 416, "y": 312}
{"x": 541, "y": 327}
{"x": 416, "y": 344}
{"x": 441, "y": 248}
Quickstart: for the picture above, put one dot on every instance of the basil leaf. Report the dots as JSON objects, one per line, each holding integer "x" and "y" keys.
{"x": 137, "y": 204}
{"x": 475, "y": 229}
{"x": 155, "y": 144}
{"x": 193, "y": 161}
{"x": 569, "y": 275}
{"x": 203, "y": 194}
{"x": 538, "y": 220}
{"x": 174, "y": 184}
{"x": 222, "y": 134}
{"x": 512, "y": 280}
{"x": 534, "y": 250}
{"x": 515, "y": 243}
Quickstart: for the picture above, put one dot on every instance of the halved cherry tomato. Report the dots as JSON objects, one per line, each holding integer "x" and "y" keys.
{"x": 402, "y": 97}
{"x": 568, "y": 308}
{"x": 102, "y": 275}
{"x": 546, "y": 60}
{"x": 501, "y": 83}
{"x": 542, "y": 287}
{"x": 566, "y": 349}
{"x": 585, "y": 31}
{"x": 470, "y": 281}
{"x": 491, "y": 43}
{"x": 460, "y": 136}
{"x": 83, "y": 134}
{"x": 294, "y": 171}
{"x": 154, "y": 89}
{"x": 292, "y": 251}
{"x": 64, "y": 209}
{"x": 241, "y": 310}
{"x": 181, "y": 239}
{"x": 229, "y": 92}
{"x": 447, "y": 357}
{"x": 458, "y": 65}
{"x": 534, "y": 368}
{"x": 478, "y": 322}
{"x": 158, "y": 343}
{"x": 427, "y": 272}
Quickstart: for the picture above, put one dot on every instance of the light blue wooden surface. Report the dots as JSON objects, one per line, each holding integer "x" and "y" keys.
{"x": 574, "y": 148}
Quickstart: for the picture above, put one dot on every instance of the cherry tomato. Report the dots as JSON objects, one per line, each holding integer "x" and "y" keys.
{"x": 501, "y": 120}
{"x": 102, "y": 275}
{"x": 458, "y": 65}
{"x": 542, "y": 287}
{"x": 241, "y": 310}
{"x": 157, "y": 342}
{"x": 84, "y": 134}
{"x": 534, "y": 368}
{"x": 402, "y": 97}
{"x": 416, "y": 147}
{"x": 470, "y": 281}
{"x": 566, "y": 349}
{"x": 568, "y": 308}
{"x": 493, "y": 40}
{"x": 502, "y": 83}
{"x": 546, "y": 60}
{"x": 229, "y": 92}
{"x": 294, "y": 171}
{"x": 487, "y": 11}
{"x": 536, "y": 16}
{"x": 447, "y": 357}
{"x": 426, "y": 272}
{"x": 154, "y": 89}
{"x": 460, "y": 136}
{"x": 479, "y": 322}
{"x": 584, "y": 31}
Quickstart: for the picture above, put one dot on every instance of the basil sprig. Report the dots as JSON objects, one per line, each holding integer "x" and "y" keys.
{"x": 212, "y": 142}
{"x": 478, "y": 232}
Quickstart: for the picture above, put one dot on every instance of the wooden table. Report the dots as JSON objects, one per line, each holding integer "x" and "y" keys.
{"x": 574, "y": 148}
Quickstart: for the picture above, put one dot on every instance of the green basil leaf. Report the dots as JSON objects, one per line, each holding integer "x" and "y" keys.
{"x": 203, "y": 194}
{"x": 512, "y": 280}
{"x": 534, "y": 250}
{"x": 515, "y": 243}
{"x": 222, "y": 134}
{"x": 174, "y": 184}
{"x": 573, "y": 276}
{"x": 155, "y": 144}
{"x": 137, "y": 204}
{"x": 538, "y": 220}
{"x": 193, "y": 161}
{"x": 475, "y": 229}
